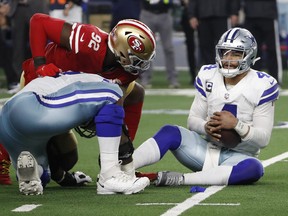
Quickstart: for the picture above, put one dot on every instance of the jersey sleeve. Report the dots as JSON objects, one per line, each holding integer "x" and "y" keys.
{"x": 265, "y": 90}
{"x": 270, "y": 94}
{"x": 206, "y": 72}
{"x": 87, "y": 38}
{"x": 198, "y": 115}
{"x": 42, "y": 29}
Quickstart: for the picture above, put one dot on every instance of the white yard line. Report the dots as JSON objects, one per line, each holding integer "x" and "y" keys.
{"x": 26, "y": 208}
{"x": 196, "y": 199}
{"x": 203, "y": 204}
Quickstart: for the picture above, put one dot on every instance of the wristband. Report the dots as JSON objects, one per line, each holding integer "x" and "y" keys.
{"x": 241, "y": 128}
{"x": 39, "y": 61}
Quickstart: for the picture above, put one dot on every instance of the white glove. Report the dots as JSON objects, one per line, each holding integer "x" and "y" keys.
{"x": 81, "y": 178}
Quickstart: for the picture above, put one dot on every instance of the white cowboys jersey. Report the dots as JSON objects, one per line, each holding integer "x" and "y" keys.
{"x": 255, "y": 90}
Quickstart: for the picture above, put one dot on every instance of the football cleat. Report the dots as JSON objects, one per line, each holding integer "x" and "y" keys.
{"x": 28, "y": 174}
{"x": 167, "y": 178}
{"x": 151, "y": 175}
{"x": 121, "y": 183}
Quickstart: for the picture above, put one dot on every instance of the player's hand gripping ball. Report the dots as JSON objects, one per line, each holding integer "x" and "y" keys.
{"x": 229, "y": 138}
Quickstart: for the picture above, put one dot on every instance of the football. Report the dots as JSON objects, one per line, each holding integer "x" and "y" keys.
{"x": 229, "y": 138}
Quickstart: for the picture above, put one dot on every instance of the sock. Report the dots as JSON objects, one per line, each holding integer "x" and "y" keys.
{"x": 146, "y": 154}
{"x": 215, "y": 176}
{"x": 132, "y": 118}
{"x": 109, "y": 123}
{"x": 4, "y": 154}
{"x": 45, "y": 178}
{"x": 109, "y": 148}
{"x": 129, "y": 168}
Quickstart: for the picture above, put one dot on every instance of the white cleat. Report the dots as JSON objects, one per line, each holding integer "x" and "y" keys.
{"x": 121, "y": 183}
{"x": 28, "y": 175}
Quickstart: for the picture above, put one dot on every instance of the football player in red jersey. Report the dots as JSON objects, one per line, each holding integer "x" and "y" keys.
{"x": 120, "y": 55}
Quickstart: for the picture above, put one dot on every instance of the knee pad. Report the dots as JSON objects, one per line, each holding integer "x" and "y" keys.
{"x": 246, "y": 172}
{"x": 168, "y": 138}
{"x": 109, "y": 121}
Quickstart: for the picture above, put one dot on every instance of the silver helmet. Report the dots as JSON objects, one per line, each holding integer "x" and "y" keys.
{"x": 241, "y": 40}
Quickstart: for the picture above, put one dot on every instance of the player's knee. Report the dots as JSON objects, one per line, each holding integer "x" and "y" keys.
{"x": 68, "y": 160}
{"x": 111, "y": 113}
{"x": 168, "y": 138}
{"x": 109, "y": 120}
{"x": 246, "y": 172}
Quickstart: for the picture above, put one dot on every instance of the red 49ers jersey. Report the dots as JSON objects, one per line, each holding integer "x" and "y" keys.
{"x": 89, "y": 46}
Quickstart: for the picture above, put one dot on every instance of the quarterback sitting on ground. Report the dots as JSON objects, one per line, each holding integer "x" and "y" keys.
{"x": 230, "y": 96}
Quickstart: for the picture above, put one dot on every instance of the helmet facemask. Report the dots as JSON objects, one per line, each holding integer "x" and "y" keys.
{"x": 137, "y": 65}
{"x": 231, "y": 68}
{"x": 240, "y": 41}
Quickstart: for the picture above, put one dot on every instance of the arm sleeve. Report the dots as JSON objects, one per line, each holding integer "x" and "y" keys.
{"x": 263, "y": 121}
{"x": 198, "y": 114}
{"x": 42, "y": 29}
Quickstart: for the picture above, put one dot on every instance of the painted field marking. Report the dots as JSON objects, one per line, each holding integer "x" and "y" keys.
{"x": 26, "y": 208}
{"x": 219, "y": 204}
{"x": 196, "y": 199}
{"x": 203, "y": 204}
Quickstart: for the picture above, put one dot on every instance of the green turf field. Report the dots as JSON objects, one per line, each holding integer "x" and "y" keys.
{"x": 267, "y": 197}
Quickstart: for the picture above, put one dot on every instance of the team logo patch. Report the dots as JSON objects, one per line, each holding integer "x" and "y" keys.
{"x": 136, "y": 44}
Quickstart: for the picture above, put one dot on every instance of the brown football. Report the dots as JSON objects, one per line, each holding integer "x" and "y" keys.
{"x": 230, "y": 138}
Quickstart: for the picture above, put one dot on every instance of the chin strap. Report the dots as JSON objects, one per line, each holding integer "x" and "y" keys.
{"x": 255, "y": 60}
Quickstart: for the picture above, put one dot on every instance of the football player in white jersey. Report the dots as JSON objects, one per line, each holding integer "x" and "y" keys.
{"x": 51, "y": 106}
{"x": 230, "y": 95}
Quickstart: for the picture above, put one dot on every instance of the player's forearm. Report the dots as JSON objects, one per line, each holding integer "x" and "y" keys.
{"x": 42, "y": 29}
{"x": 197, "y": 115}
{"x": 258, "y": 137}
{"x": 196, "y": 124}
{"x": 261, "y": 128}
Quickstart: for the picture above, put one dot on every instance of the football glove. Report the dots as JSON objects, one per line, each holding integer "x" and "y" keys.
{"x": 81, "y": 178}
{"x": 48, "y": 70}
{"x": 75, "y": 179}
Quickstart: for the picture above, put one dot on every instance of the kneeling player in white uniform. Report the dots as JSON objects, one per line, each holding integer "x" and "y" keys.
{"x": 50, "y": 106}
{"x": 230, "y": 95}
